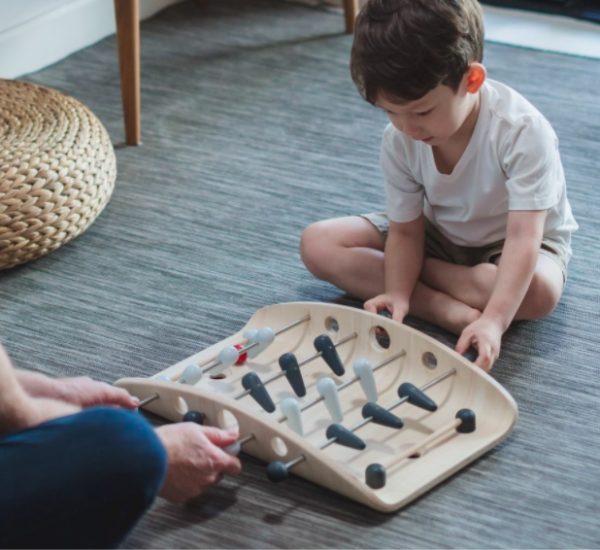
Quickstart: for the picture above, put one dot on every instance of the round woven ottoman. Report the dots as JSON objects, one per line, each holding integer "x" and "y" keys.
{"x": 57, "y": 170}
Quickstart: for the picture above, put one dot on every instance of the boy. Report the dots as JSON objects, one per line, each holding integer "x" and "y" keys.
{"x": 478, "y": 227}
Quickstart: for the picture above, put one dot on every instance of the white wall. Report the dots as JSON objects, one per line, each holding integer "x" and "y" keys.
{"x": 38, "y": 33}
{"x": 14, "y": 13}
{"x": 542, "y": 31}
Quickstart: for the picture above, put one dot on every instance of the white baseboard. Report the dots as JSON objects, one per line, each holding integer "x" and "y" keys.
{"x": 44, "y": 40}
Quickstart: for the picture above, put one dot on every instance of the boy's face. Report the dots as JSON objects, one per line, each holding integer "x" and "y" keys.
{"x": 436, "y": 117}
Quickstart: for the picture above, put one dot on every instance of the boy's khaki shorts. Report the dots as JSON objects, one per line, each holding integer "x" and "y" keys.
{"x": 438, "y": 246}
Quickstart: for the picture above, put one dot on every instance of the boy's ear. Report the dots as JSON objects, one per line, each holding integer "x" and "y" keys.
{"x": 476, "y": 75}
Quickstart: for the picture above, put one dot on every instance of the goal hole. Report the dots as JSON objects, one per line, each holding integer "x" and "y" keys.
{"x": 181, "y": 405}
{"x": 332, "y": 325}
{"x": 279, "y": 446}
{"x": 430, "y": 360}
{"x": 380, "y": 338}
{"x": 227, "y": 420}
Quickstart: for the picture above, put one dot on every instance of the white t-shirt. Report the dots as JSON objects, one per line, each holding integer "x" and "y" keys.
{"x": 511, "y": 163}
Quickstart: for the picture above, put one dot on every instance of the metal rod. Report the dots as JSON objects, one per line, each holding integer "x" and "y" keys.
{"x": 303, "y": 362}
{"x": 246, "y": 439}
{"x": 292, "y": 325}
{"x": 326, "y": 444}
{"x": 293, "y": 463}
{"x": 390, "y": 407}
{"x": 216, "y": 362}
{"x": 422, "y": 444}
{"x": 244, "y": 349}
{"x": 349, "y": 382}
{"x": 144, "y": 402}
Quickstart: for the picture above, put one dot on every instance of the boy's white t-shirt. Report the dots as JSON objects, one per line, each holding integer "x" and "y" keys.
{"x": 511, "y": 163}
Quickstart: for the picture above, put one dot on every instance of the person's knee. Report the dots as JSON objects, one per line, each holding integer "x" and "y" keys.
{"x": 136, "y": 451}
{"x": 135, "y": 464}
{"x": 107, "y": 465}
{"x": 129, "y": 463}
{"x": 541, "y": 298}
{"x": 484, "y": 275}
{"x": 315, "y": 249}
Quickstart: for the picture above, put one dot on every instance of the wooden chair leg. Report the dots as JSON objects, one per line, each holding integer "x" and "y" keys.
{"x": 350, "y": 12}
{"x": 128, "y": 38}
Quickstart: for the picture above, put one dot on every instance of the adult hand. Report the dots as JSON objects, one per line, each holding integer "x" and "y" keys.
{"x": 85, "y": 392}
{"x": 196, "y": 459}
{"x": 81, "y": 390}
{"x": 397, "y": 305}
{"x": 485, "y": 335}
{"x": 18, "y": 409}
{"x": 30, "y": 411}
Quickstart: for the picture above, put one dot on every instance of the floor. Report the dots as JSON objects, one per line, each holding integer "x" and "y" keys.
{"x": 253, "y": 129}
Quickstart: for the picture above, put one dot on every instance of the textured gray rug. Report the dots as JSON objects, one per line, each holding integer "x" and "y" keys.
{"x": 253, "y": 130}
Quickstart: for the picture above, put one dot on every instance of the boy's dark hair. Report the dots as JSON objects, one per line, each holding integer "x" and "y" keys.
{"x": 405, "y": 48}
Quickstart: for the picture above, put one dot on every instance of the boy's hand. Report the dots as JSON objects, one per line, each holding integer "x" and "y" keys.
{"x": 196, "y": 459}
{"x": 485, "y": 336}
{"x": 397, "y": 305}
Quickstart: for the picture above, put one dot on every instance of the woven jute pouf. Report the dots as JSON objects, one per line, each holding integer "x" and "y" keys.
{"x": 57, "y": 170}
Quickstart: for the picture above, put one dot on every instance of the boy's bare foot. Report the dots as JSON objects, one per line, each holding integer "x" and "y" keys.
{"x": 452, "y": 314}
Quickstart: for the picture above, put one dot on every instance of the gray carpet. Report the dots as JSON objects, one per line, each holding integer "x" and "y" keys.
{"x": 252, "y": 130}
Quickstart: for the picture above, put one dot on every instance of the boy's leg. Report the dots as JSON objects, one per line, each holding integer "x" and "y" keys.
{"x": 441, "y": 309}
{"x": 80, "y": 481}
{"x": 348, "y": 252}
{"x": 474, "y": 285}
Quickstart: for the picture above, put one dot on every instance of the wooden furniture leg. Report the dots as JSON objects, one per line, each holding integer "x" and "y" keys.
{"x": 128, "y": 37}
{"x": 350, "y": 12}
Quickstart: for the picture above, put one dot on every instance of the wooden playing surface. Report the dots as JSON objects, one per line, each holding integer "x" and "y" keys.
{"x": 337, "y": 467}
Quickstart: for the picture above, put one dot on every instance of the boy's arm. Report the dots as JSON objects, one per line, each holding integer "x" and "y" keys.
{"x": 515, "y": 271}
{"x": 403, "y": 259}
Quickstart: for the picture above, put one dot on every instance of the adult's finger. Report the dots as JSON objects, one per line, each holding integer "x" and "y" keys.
{"x": 231, "y": 465}
{"x": 218, "y": 437}
{"x": 121, "y": 398}
{"x": 86, "y": 392}
{"x": 206, "y": 483}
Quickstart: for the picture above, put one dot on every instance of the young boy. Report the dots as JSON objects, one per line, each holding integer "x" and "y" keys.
{"x": 478, "y": 227}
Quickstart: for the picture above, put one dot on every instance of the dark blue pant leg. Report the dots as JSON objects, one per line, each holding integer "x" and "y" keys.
{"x": 80, "y": 481}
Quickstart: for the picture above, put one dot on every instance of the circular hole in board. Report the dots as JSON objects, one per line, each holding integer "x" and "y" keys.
{"x": 415, "y": 455}
{"x": 227, "y": 420}
{"x": 380, "y": 338}
{"x": 430, "y": 360}
{"x": 332, "y": 325}
{"x": 219, "y": 376}
{"x": 181, "y": 405}
{"x": 279, "y": 446}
